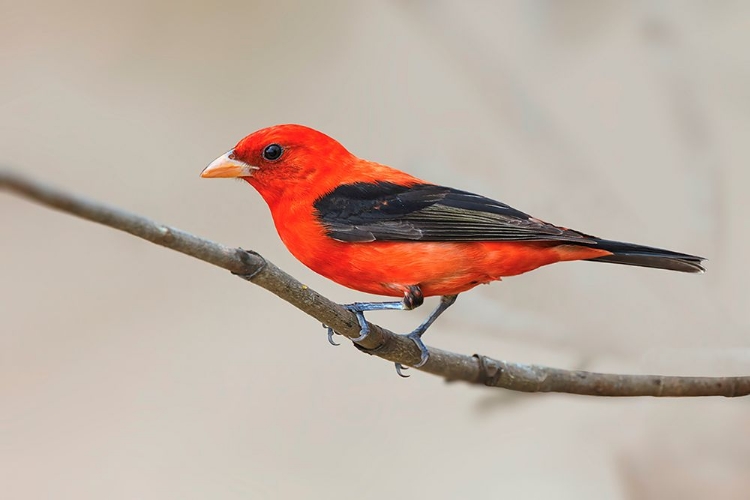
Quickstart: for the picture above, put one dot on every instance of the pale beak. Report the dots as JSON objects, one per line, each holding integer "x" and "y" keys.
{"x": 226, "y": 166}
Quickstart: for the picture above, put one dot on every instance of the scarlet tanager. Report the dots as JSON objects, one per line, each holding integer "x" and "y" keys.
{"x": 378, "y": 230}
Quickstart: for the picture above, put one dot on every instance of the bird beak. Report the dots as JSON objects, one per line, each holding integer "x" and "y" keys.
{"x": 226, "y": 166}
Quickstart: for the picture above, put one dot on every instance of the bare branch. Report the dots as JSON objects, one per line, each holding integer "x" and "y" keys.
{"x": 380, "y": 342}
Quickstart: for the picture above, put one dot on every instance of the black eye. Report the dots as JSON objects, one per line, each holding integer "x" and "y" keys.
{"x": 272, "y": 152}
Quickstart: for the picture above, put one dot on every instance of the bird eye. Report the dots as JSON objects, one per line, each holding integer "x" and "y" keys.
{"x": 272, "y": 152}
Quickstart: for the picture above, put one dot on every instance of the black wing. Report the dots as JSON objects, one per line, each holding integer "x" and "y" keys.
{"x": 384, "y": 211}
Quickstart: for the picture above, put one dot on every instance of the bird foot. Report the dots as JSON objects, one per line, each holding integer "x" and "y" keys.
{"x": 364, "y": 328}
{"x": 416, "y": 337}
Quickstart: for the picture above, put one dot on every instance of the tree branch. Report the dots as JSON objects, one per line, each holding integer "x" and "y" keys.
{"x": 380, "y": 342}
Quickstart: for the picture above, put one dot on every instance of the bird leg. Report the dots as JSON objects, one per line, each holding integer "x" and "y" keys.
{"x": 413, "y": 298}
{"x": 416, "y": 335}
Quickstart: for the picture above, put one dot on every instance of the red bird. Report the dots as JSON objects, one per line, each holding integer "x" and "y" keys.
{"x": 378, "y": 230}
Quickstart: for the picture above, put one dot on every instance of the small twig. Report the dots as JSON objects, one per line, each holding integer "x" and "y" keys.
{"x": 383, "y": 343}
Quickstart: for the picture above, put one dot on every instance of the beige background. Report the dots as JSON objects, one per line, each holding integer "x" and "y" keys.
{"x": 128, "y": 371}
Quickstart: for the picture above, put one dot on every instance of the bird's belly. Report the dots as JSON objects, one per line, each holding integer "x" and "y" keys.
{"x": 438, "y": 268}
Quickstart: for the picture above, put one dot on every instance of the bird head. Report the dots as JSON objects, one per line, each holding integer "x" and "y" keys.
{"x": 277, "y": 158}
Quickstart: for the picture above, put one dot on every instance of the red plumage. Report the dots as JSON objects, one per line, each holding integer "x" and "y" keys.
{"x": 376, "y": 229}
{"x": 313, "y": 164}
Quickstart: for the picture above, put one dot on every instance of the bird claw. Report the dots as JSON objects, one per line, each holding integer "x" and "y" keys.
{"x": 416, "y": 337}
{"x": 364, "y": 328}
{"x": 331, "y": 331}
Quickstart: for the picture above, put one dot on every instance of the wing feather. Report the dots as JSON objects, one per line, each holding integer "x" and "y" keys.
{"x": 363, "y": 212}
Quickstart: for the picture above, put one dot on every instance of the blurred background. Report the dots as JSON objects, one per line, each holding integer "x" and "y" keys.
{"x": 130, "y": 371}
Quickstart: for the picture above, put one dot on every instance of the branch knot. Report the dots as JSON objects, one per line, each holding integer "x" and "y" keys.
{"x": 242, "y": 254}
{"x": 489, "y": 372}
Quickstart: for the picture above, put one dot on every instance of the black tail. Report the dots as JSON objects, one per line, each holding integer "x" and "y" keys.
{"x": 638, "y": 255}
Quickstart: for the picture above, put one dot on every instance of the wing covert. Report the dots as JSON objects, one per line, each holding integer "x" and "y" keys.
{"x": 383, "y": 211}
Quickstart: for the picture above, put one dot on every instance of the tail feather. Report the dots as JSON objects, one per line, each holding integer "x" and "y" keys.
{"x": 638, "y": 255}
